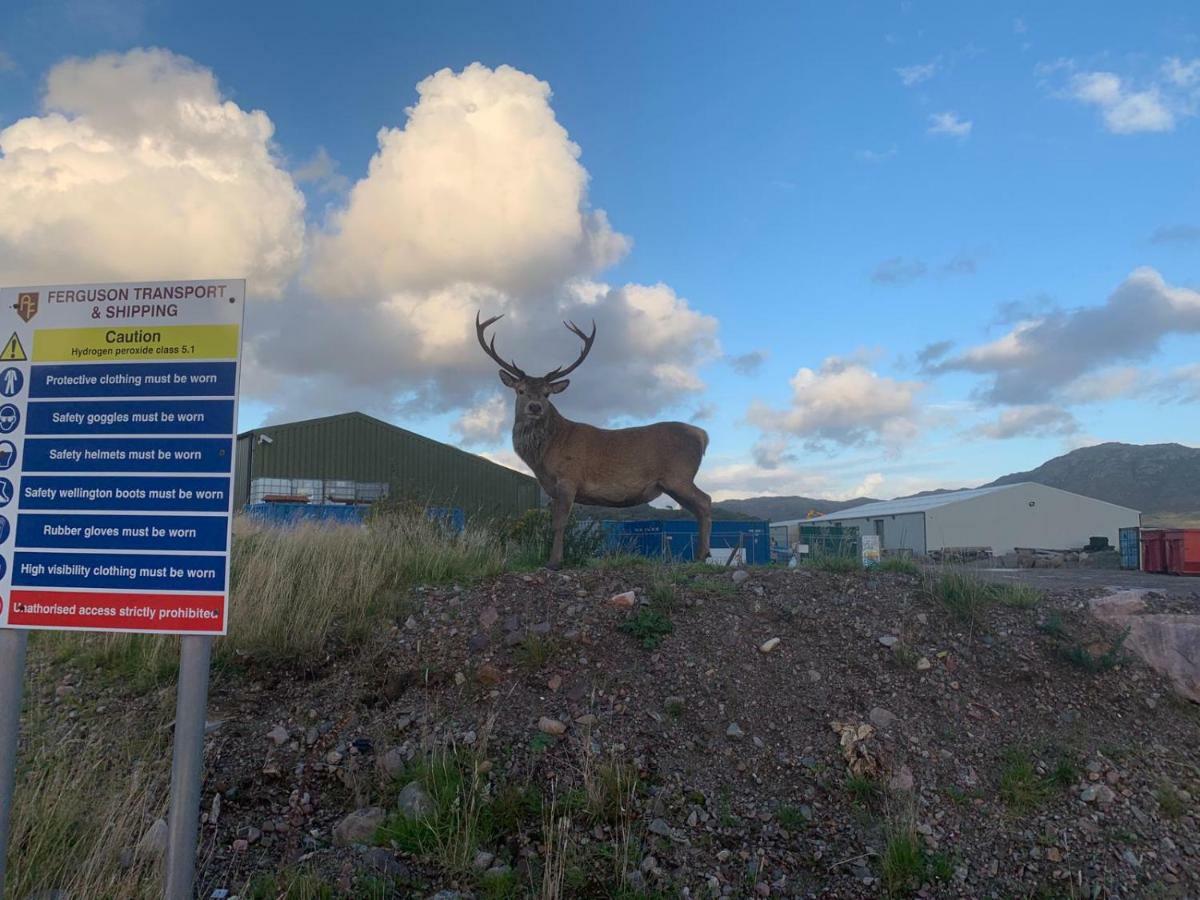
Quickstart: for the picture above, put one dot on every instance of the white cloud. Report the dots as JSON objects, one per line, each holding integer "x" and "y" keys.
{"x": 322, "y": 172}
{"x": 876, "y": 156}
{"x": 1155, "y": 104}
{"x": 485, "y": 422}
{"x": 482, "y": 185}
{"x": 1125, "y": 111}
{"x": 949, "y": 123}
{"x": 139, "y": 169}
{"x": 846, "y": 403}
{"x": 1103, "y": 386}
{"x": 1045, "y": 354}
{"x": 1039, "y": 420}
{"x": 914, "y": 75}
{"x": 747, "y": 363}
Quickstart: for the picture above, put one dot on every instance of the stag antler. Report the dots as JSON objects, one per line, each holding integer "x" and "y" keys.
{"x": 587, "y": 348}
{"x": 490, "y": 349}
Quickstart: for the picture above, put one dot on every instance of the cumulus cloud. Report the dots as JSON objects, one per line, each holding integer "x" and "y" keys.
{"x": 772, "y": 451}
{"x": 481, "y": 185}
{"x": 914, "y": 75}
{"x": 747, "y": 363}
{"x": 930, "y": 353}
{"x": 485, "y": 422}
{"x": 1129, "y": 106}
{"x": 845, "y": 403}
{"x": 949, "y": 123}
{"x": 1105, "y": 385}
{"x": 139, "y": 169}
{"x": 1039, "y": 420}
{"x": 1042, "y": 355}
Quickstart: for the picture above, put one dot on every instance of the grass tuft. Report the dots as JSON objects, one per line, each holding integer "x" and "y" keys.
{"x": 898, "y": 565}
{"x": 648, "y": 626}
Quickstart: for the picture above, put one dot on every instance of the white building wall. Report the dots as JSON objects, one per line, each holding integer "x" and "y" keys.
{"x": 1004, "y": 520}
{"x": 901, "y": 532}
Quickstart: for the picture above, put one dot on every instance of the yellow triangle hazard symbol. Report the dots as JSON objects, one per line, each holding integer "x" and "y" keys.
{"x": 13, "y": 350}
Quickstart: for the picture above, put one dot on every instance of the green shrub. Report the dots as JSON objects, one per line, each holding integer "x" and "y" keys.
{"x": 530, "y": 537}
{"x": 649, "y": 626}
{"x": 899, "y": 565}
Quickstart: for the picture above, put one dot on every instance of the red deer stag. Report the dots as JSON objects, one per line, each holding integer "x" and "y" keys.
{"x": 574, "y": 461}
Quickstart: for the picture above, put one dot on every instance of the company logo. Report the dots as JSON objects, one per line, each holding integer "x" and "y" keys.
{"x": 26, "y": 305}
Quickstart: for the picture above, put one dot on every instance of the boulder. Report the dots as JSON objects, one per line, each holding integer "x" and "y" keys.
{"x": 358, "y": 827}
{"x": 1168, "y": 643}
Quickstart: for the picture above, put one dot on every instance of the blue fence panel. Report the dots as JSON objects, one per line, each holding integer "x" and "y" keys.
{"x": 286, "y": 515}
{"x": 1131, "y": 548}
{"x": 677, "y": 538}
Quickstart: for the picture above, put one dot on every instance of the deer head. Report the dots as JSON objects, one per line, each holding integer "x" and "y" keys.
{"x": 533, "y": 393}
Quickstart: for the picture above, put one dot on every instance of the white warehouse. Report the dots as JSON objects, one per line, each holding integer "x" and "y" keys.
{"x": 1000, "y": 518}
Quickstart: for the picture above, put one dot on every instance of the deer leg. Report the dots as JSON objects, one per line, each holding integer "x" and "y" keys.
{"x": 699, "y": 504}
{"x": 564, "y": 498}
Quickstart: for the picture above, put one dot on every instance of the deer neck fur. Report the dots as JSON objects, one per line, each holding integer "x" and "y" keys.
{"x": 532, "y": 437}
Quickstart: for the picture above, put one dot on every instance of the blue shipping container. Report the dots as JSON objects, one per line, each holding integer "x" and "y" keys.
{"x": 676, "y": 538}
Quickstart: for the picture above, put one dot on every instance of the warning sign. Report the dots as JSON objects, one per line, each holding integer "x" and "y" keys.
{"x": 116, "y": 455}
{"x": 13, "y": 351}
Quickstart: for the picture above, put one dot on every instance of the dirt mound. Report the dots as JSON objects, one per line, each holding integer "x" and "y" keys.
{"x": 797, "y": 733}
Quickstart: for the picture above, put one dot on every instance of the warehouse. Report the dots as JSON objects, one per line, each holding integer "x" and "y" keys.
{"x": 354, "y": 458}
{"x": 998, "y": 519}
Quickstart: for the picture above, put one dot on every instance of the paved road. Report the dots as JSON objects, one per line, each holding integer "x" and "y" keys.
{"x": 1117, "y": 579}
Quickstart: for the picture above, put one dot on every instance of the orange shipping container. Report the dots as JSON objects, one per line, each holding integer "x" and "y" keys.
{"x": 1183, "y": 551}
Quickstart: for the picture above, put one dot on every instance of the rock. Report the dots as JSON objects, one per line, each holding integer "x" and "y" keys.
{"x": 279, "y": 735}
{"x": 546, "y": 725}
{"x": 500, "y": 870}
{"x": 554, "y": 683}
{"x": 153, "y": 844}
{"x": 923, "y": 664}
{"x": 882, "y": 718}
{"x": 889, "y": 640}
{"x": 410, "y": 623}
{"x": 542, "y": 628}
{"x": 414, "y": 801}
{"x": 488, "y": 674}
{"x": 661, "y": 827}
{"x": 625, "y": 600}
{"x": 478, "y": 642}
{"x": 770, "y": 645}
{"x": 1168, "y": 643}
{"x": 382, "y": 861}
{"x": 488, "y": 617}
{"x": 249, "y": 834}
{"x": 512, "y": 623}
{"x": 241, "y": 845}
{"x": 392, "y": 763}
{"x": 587, "y": 720}
{"x": 459, "y": 678}
{"x": 358, "y": 827}
{"x": 902, "y": 780}
{"x": 483, "y": 860}
{"x": 813, "y": 676}
{"x": 740, "y": 575}
{"x": 734, "y": 732}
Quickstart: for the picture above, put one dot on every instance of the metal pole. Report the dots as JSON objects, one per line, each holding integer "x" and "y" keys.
{"x": 187, "y": 766}
{"x": 12, "y": 680}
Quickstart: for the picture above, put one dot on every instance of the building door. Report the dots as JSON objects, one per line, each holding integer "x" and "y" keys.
{"x": 879, "y": 531}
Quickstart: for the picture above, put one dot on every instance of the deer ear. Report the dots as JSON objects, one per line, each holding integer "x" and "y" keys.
{"x": 557, "y": 387}
{"x": 508, "y": 380}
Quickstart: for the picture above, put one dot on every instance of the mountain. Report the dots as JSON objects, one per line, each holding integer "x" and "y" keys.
{"x": 781, "y": 509}
{"x": 1154, "y": 478}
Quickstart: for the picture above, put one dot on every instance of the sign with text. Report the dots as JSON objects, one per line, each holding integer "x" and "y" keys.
{"x": 118, "y": 416}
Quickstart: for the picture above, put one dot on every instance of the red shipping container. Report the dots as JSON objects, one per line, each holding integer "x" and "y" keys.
{"x": 1183, "y": 551}
{"x": 1154, "y": 551}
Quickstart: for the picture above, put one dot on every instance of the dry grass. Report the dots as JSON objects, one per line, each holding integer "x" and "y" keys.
{"x": 81, "y": 805}
{"x": 296, "y": 594}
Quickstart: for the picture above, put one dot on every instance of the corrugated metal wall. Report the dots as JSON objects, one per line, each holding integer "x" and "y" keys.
{"x": 357, "y": 447}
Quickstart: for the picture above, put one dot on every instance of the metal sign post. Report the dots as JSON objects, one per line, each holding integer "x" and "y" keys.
{"x": 12, "y": 677}
{"x": 118, "y": 413}
{"x": 187, "y": 766}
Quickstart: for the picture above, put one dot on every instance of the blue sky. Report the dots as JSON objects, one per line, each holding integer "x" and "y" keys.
{"x": 828, "y": 190}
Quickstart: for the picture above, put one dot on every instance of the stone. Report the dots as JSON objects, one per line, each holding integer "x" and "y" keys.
{"x": 488, "y": 674}
{"x": 410, "y": 623}
{"x": 488, "y": 617}
{"x": 662, "y": 828}
{"x": 734, "y": 732}
{"x": 279, "y": 735}
{"x": 414, "y": 801}
{"x": 813, "y": 676}
{"x": 392, "y": 763}
{"x": 512, "y": 623}
{"x": 770, "y": 645}
{"x": 241, "y": 845}
{"x": 882, "y": 718}
{"x": 923, "y": 664}
{"x": 624, "y": 600}
{"x": 889, "y": 640}
{"x": 542, "y": 628}
{"x": 483, "y": 860}
{"x": 249, "y": 834}
{"x": 740, "y": 575}
{"x": 1168, "y": 643}
{"x": 587, "y": 720}
{"x": 546, "y": 725}
{"x": 381, "y": 860}
{"x": 153, "y": 843}
{"x": 902, "y": 780}
{"x": 478, "y": 642}
{"x": 358, "y": 827}
{"x": 554, "y": 683}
